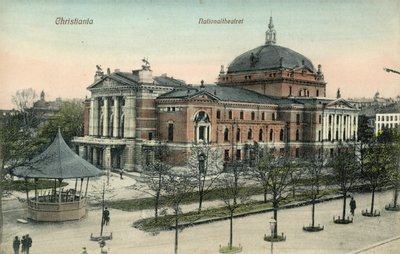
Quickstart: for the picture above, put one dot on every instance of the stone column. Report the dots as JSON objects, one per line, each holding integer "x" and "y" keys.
{"x": 94, "y": 156}
{"x": 105, "y": 117}
{"x": 116, "y": 117}
{"x": 356, "y": 126}
{"x": 81, "y": 151}
{"x": 130, "y": 116}
{"x": 129, "y": 157}
{"x": 333, "y": 126}
{"x": 340, "y": 127}
{"x": 325, "y": 127}
{"x": 91, "y": 117}
{"x": 96, "y": 114}
{"x": 107, "y": 157}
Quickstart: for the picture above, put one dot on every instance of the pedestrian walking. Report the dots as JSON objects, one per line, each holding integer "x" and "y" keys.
{"x": 28, "y": 243}
{"x": 16, "y": 244}
{"x": 120, "y": 174}
{"x": 352, "y": 206}
{"x": 106, "y": 216}
{"x": 84, "y": 251}
{"x": 23, "y": 244}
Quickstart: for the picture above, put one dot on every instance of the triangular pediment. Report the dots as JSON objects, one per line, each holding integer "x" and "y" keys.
{"x": 203, "y": 95}
{"x": 111, "y": 82}
{"x": 340, "y": 103}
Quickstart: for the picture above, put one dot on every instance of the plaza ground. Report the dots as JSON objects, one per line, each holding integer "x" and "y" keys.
{"x": 365, "y": 235}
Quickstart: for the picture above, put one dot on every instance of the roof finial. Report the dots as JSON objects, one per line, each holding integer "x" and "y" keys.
{"x": 270, "y": 35}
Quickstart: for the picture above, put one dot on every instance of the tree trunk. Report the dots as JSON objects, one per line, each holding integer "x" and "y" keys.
{"x": 396, "y": 195}
{"x": 372, "y": 201}
{"x": 344, "y": 205}
{"x": 276, "y": 220}
{"x": 176, "y": 231}
{"x": 231, "y": 231}
{"x": 201, "y": 194}
{"x": 157, "y": 201}
{"x": 313, "y": 211}
{"x": 265, "y": 193}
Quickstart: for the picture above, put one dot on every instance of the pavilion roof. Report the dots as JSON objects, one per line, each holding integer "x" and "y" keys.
{"x": 58, "y": 161}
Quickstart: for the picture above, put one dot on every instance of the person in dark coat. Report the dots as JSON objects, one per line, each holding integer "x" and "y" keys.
{"x": 16, "y": 244}
{"x": 106, "y": 216}
{"x": 352, "y": 206}
{"x": 28, "y": 243}
{"x": 23, "y": 244}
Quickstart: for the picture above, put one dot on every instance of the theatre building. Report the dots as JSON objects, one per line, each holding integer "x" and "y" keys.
{"x": 270, "y": 95}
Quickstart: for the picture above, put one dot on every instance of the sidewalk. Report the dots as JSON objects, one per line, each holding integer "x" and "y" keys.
{"x": 70, "y": 237}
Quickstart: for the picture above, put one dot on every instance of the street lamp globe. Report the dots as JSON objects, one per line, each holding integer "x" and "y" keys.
{"x": 272, "y": 223}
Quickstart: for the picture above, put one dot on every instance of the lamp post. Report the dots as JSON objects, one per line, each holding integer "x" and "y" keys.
{"x": 272, "y": 223}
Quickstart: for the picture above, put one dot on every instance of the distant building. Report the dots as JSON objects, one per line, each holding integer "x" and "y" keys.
{"x": 270, "y": 95}
{"x": 46, "y": 109}
{"x": 376, "y": 101}
{"x": 387, "y": 117}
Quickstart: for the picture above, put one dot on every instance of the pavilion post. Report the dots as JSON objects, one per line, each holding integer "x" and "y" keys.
{"x": 76, "y": 183}
{"x": 59, "y": 187}
{"x": 36, "y": 191}
{"x": 87, "y": 185}
{"x": 27, "y": 190}
{"x": 55, "y": 190}
{"x": 80, "y": 190}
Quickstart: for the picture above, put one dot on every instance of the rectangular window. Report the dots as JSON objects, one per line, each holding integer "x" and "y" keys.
{"x": 298, "y": 118}
{"x": 226, "y": 155}
{"x": 238, "y": 154}
{"x": 150, "y": 135}
{"x": 262, "y": 116}
{"x": 241, "y": 115}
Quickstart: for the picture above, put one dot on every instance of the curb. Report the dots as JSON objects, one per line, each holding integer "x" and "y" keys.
{"x": 288, "y": 206}
{"x": 376, "y": 245}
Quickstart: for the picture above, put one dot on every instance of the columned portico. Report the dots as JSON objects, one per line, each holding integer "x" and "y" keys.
{"x": 116, "y": 114}
{"x": 105, "y": 117}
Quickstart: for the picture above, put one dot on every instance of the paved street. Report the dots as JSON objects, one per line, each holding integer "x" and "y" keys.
{"x": 70, "y": 237}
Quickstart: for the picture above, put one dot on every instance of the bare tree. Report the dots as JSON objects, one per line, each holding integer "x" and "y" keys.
{"x": 230, "y": 184}
{"x": 378, "y": 166}
{"x": 152, "y": 179}
{"x": 282, "y": 170}
{"x": 345, "y": 169}
{"x": 24, "y": 101}
{"x": 175, "y": 186}
{"x": 316, "y": 162}
{"x": 206, "y": 164}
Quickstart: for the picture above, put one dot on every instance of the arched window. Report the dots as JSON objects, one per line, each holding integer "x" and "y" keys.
{"x": 317, "y": 92}
{"x": 170, "y": 132}
{"x": 238, "y": 134}
{"x": 260, "y": 135}
{"x": 281, "y": 135}
{"x": 271, "y": 135}
{"x": 226, "y": 135}
{"x": 250, "y": 134}
{"x": 253, "y": 115}
{"x": 202, "y": 127}
{"x": 263, "y": 116}
{"x": 297, "y": 135}
{"x": 290, "y": 90}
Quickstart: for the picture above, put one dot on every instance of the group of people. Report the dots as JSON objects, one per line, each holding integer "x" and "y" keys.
{"x": 24, "y": 244}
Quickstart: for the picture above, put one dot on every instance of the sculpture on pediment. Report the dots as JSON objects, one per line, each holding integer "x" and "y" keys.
{"x": 146, "y": 65}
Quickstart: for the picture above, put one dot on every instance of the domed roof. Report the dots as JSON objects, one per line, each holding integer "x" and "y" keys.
{"x": 269, "y": 57}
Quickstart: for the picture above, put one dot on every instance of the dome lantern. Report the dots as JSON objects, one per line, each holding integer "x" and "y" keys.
{"x": 270, "y": 38}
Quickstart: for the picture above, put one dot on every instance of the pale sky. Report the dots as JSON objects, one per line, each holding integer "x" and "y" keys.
{"x": 353, "y": 40}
